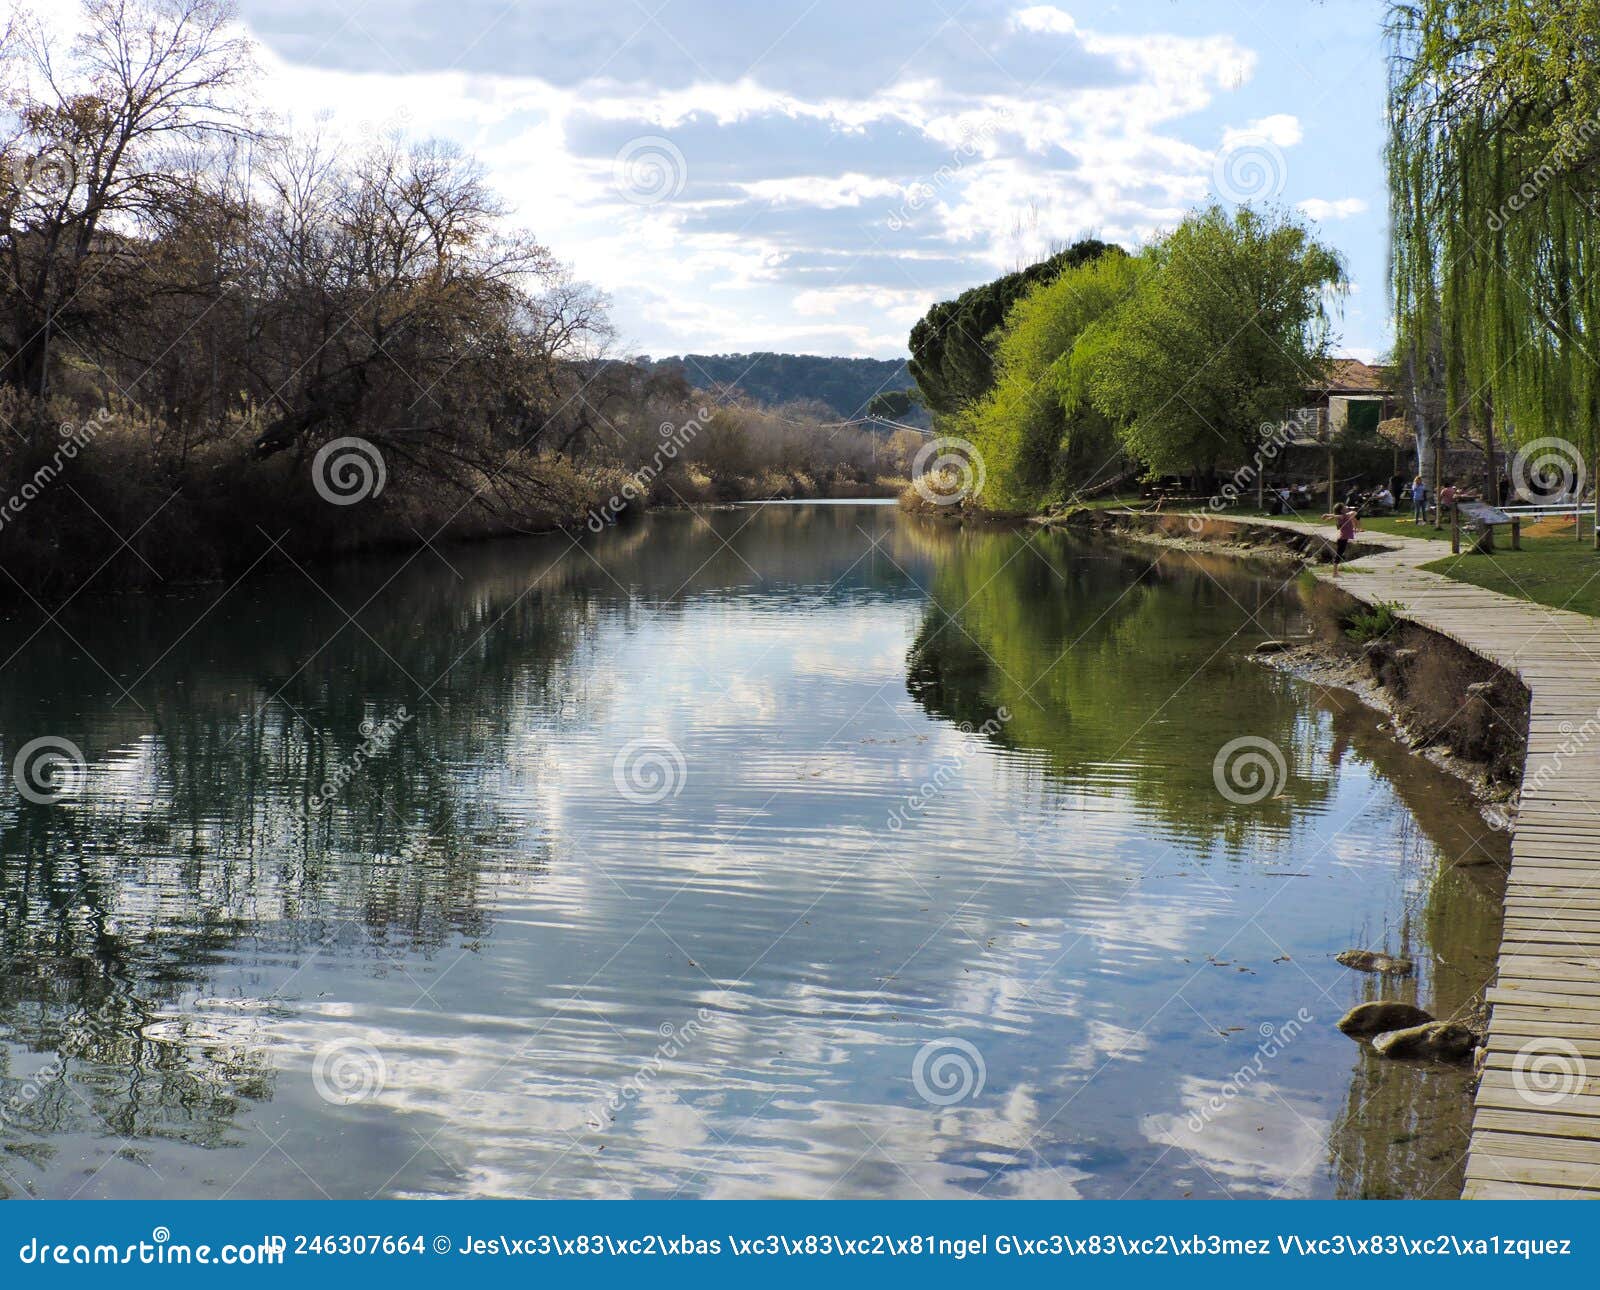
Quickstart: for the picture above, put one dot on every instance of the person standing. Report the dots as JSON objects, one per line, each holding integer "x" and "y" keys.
{"x": 1419, "y": 501}
{"x": 1344, "y": 526}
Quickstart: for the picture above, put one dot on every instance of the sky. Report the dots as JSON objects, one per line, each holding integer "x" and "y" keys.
{"x": 811, "y": 175}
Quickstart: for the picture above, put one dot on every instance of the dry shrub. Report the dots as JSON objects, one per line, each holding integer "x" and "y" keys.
{"x": 72, "y": 488}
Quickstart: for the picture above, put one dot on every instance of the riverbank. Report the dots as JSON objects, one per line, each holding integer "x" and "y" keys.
{"x": 1464, "y": 713}
{"x": 95, "y": 516}
{"x": 1199, "y": 531}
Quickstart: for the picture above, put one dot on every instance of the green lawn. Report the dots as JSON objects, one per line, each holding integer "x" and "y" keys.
{"x": 1555, "y": 570}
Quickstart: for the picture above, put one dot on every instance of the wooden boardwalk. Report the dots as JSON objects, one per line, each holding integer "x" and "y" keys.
{"x": 1536, "y": 1122}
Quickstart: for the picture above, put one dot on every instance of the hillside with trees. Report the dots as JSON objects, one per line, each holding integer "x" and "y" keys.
{"x": 845, "y": 386}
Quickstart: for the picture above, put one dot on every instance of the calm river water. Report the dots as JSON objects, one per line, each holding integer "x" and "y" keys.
{"x": 803, "y": 850}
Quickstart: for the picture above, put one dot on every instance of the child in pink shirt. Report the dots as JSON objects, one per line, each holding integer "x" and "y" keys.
{"x": 1344, "y": 520}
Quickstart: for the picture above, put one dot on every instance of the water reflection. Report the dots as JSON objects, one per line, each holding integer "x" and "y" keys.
{"x": 539, "y": 986}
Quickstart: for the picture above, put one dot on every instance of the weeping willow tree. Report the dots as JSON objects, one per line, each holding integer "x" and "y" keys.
{"x": 1037, "y": 444}
{"x": 1494, "y": 173}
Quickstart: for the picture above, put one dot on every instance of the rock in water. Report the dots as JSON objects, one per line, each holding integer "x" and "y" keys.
{"x": 1381, "y": 1015}
{"x": 1442, "y": 1041}
{"x": 1373, "y": 961}
{"x": 1272, "y": 647}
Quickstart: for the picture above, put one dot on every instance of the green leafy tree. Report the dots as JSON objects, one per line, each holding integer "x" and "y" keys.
{"x": 1231, "y": 320}
{"x": 1033, "y": 448}
{"x": 951, "y": 356}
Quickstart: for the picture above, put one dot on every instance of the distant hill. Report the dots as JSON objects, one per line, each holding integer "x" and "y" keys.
{"x": 845, "y": 385}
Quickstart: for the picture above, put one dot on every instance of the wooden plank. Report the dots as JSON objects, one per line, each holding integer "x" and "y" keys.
{"x": 1499, "y": 1092}
{"x": 1547, "y": 1173}
{"x": 1522, "y": 1120}
{"x": 1512, "y": 1001}
{"x": 1548, "y": 967}
{"x": 1529, "y": 1146}
{"x": 1484, "y": 1189}
{"x": 1581, "y": 993}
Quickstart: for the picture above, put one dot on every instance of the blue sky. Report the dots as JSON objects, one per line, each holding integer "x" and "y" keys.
{"x": 811, "y": 176}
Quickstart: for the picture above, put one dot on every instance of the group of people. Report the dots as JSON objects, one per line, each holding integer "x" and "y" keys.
{"x": 1387, "y": 498}
{"x": 1449, "y": 494}
{"x": 1286, "y": 499}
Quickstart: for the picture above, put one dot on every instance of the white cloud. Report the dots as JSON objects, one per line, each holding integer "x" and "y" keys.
{"x": 1321, "y": 208}
{"x": 822, "y": 192}
{"x": 799, "y": 220}
{"x": 1280, "y": 129}
{"x": 1046, "y": 18}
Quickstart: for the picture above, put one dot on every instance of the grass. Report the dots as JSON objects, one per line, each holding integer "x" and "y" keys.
{"x": 1108, "y": 502}
{"x": 1403, "y": 527}
{"x": 1553, "y": 568}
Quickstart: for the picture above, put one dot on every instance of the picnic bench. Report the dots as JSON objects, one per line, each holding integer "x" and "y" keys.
{"x": 1483, "y": 519}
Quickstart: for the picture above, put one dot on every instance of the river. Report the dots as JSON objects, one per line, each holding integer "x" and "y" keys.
{"x": 798, "y": 850}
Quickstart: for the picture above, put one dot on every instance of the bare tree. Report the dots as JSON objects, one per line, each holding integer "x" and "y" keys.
{"x": 88, "y": 158}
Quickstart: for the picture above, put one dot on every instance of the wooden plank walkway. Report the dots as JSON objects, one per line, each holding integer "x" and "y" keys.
{"x": 1536, "y": 1122}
